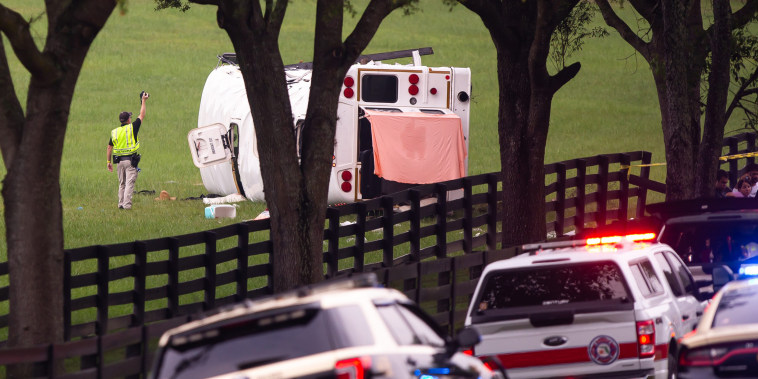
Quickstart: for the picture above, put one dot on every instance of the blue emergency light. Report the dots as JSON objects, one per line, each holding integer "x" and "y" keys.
{"x": 749, "y": 270}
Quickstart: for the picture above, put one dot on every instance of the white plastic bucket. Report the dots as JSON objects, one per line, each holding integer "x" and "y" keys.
{"x": 221, "y": 211}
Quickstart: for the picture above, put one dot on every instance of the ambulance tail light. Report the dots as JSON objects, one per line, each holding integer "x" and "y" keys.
{"x": 349, "y": 82}
{"x": 413, "y": 90}
{"x": 353, "y": 368}
{"x": 646, "y": 338}
{"x": 346, "y": 177}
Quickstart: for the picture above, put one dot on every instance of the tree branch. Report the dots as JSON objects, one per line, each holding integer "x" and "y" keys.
{"x": 17, "y": 30}
{"x": 614, "y": 21}
{"x": 742, "y": 92}
{"x": 491, "y": 13}
{"x": 562, "y": 77}
{"x": 746, "y": 14}
{"x": 11, "y": 113}
{"x": 368, "y": 24}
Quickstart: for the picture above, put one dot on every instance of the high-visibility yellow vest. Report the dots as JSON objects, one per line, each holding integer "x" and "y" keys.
{"x": 124, "y": 142}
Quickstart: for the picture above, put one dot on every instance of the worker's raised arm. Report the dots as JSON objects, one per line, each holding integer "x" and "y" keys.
{"x": 145, "y": 95}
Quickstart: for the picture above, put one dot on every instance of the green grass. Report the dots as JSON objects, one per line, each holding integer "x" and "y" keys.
{"x": 611, "y": 106}
{"x": 170, "y": 54}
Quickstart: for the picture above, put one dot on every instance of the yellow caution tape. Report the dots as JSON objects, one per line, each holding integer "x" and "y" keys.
{"x": 738, "y": 156}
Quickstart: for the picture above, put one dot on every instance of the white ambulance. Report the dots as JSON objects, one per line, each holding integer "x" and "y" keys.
{"x": 399, "y": 125}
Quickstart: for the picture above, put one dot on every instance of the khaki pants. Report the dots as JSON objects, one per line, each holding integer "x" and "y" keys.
{"x": 127, "y": 177}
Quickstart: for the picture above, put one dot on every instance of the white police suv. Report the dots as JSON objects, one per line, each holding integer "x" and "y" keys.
{"x": 346, "y": 329}
{"x": 601, "y": 307}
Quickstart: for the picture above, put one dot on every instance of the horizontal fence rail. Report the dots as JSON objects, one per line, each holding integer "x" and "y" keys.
{"x": 430, "y": 242}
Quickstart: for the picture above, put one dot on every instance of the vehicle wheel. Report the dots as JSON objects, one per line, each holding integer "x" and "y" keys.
{"x": 672, "y": 362}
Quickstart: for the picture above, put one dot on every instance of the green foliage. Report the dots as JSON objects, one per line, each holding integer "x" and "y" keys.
{"x": 571, "y": 33}
{"x": 178, "y": 4}
{"x": 744, "y": 74}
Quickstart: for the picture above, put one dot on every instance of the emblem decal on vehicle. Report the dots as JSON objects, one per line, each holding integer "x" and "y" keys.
{"x": 603, "y": 350}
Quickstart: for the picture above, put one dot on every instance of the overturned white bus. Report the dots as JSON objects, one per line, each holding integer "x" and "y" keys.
{"x": 398, "y": 126}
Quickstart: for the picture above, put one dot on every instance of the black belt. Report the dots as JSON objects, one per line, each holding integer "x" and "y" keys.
{"x": 124, "y": 157}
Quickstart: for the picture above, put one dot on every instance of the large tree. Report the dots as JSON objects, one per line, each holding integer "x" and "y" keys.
{"x": 296, "y": 189}
{"x": 683, "y": 55}
{"x": 522, "y": 31}
{"x": 31, "y": 141}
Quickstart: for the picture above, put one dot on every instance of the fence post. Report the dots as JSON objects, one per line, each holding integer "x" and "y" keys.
{"x": 415, "y": 227}
{"x": 581, "y": 192}
{"x": 492, "y": 212}
{"x": 468, "y": 216}
{"x": 388, "y": 235}
{"x": 66, "y": 296}
{"x": 624, "y": 188}
{"x": 647, "y": 157}
{"x": 441, "y": 227}
{"x": 750, "y": 138}
{"x": 734, "y": 170}
{"x": 243, "y": 240}
{"x": 210, "y": 270}
{"x": 102, "y": 291}
{"x": 173, "y": 277}
{"x": 360, "y": 236}
{"x": 333, "y": 243}
{"x": 602, "y": 190}
{"x": 560, "y": 198}
{"x": 140, "y": 267}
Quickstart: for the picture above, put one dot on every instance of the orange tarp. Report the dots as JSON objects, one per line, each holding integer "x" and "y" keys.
{"x": 417, "y": 147}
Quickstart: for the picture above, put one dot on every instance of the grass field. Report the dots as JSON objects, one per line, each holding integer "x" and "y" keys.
{"x": 609, "y": 107}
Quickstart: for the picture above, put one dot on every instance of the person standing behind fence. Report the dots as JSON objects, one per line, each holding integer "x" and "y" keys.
{"x": 122, "y": 150}
{"x": 721, "y": 188}
{"x": 751, "y": 173}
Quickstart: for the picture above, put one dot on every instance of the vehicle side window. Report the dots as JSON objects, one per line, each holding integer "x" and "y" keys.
{"x": 652, "y": 277}
{"x": 646, "y": 278}
{"x": 408, "y": 326}
{"x": 682, "y": 271}
{"x": 668, "y": 272}
{"x": 421, "y": 326}
{"x": 397, "y": 325}
{"x": 640, "y": 279}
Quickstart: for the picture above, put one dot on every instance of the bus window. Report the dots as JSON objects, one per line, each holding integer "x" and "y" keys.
{"x": 379, "y": 88}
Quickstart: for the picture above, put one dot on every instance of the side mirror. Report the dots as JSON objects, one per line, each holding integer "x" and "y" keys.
{"x": 468, "y": 337}
{"x": 465, "y": 338}
{"x": 721, "y": 275}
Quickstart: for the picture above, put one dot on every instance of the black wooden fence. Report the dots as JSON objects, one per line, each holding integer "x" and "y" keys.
{"x": 431, "y": 242}
{"x": 421, "y": 241}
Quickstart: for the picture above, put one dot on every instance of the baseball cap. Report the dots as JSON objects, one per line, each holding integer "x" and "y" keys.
{"x": 124, "y": 116}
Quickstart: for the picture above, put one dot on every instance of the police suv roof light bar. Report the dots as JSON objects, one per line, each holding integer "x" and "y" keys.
{"x": 534, "y": 248}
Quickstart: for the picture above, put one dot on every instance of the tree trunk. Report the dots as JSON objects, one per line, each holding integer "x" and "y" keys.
{"x": 523, "y": 186}
{"x": 31, "y": 188}
{"x": 718, "y": 91}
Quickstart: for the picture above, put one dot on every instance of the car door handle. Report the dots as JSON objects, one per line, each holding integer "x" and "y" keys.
{"x": 685, "y": 317}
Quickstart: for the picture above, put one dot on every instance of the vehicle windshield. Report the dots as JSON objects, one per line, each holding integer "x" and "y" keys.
{"x": 542, "y": 286}
{"x": 713, "y": 240}
{"x": 737, "y": 307}
{"x": 259, "y": 341}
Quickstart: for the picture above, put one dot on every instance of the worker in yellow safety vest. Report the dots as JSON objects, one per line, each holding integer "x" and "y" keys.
{"x": 122, "y": 150}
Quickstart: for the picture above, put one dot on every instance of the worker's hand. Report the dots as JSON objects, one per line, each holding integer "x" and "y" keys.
{"x": 145, "y": 95}
{"x": 110, "y": 166}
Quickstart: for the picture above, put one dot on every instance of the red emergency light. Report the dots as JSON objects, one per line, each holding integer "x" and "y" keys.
{"x": 616, "y": 239}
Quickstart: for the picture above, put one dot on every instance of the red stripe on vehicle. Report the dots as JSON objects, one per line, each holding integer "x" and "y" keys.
{"x": 560, "y": 356}
{"x": 661, "y": 351}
